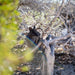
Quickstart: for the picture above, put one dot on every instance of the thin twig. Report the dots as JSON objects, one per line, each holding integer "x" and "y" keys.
{"x": 58, "y": 13}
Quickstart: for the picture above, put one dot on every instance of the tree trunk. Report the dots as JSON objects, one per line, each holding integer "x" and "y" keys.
{"x": 48, "y": 63}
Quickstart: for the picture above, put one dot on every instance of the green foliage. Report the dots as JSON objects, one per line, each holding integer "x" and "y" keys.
{"x": 28, "y": 55}
{"x": 8, "y": 34}
{"x": 21, "y": 42}
{"x": 8, "y": 27}
{"x": 25, "y": 68}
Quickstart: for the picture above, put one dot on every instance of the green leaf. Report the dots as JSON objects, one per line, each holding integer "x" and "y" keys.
{"x": 21, "y": 42}
{"x": 25, "y": 68}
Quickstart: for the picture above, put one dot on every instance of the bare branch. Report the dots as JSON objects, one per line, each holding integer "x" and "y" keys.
{"x": 57, "y": 15}
{"x": 60, "y": 38}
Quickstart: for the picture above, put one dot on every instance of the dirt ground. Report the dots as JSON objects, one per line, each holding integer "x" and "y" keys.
{"x": 64, "y": 64}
